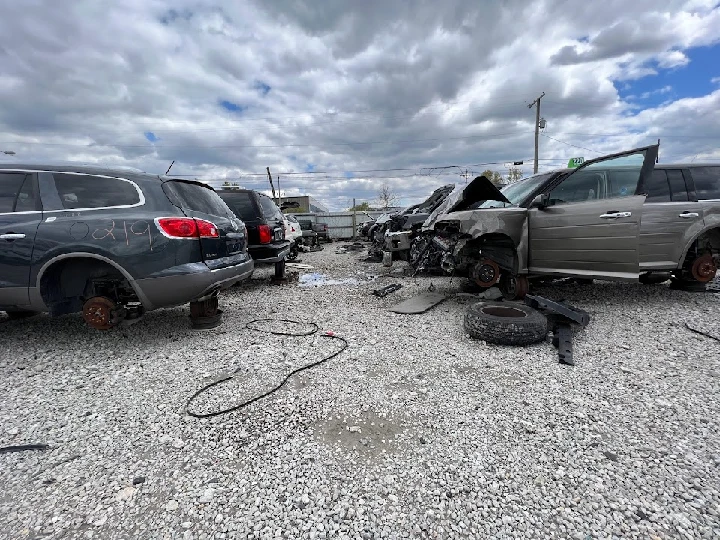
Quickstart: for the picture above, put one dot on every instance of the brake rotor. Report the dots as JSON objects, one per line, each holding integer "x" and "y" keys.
{"x": 98, "y": 312}
{"x": 486, "y": 273}
{"x": 704, "y": 268}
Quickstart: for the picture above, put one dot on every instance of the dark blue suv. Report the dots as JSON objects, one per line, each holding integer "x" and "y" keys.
{"x": 114, "y": 243}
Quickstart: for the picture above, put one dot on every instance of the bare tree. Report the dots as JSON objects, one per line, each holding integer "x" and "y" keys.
{"x": 494, "y": 176}
{"x": 386, "y": 197}
{"x": 514, "y": 174}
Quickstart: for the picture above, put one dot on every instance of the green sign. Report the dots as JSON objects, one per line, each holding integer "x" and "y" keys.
{"x": 576, "y": 161}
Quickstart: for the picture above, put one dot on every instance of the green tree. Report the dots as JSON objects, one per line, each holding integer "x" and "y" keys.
{"x": 495, "y": 177}
{"x": 362, "y": 207}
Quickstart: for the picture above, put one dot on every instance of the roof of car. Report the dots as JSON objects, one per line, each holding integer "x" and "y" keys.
{"x": 87, "y": 169}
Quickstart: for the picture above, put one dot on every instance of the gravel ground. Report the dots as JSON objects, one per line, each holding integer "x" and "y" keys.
{"x": 415, "y": 431}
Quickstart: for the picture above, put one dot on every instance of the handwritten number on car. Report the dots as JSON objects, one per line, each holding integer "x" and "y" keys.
{"x": 134, "y": 228}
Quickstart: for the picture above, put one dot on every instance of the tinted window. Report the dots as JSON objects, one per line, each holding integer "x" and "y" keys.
{"x": 27, "y": 199}
{"x": 10, "y": 185}
{"x": 622, "y": 183}
{"x": 88, "y": 191}
{"x": 269, "y": 208}
{"x": 241, "y": 203}
{"x": 707, "y": 182}
{"x": 580, "y": 187}
{"x": 193, "y": 197}
{"x": 677, "y": 185}
{"x": 658, "y": 189}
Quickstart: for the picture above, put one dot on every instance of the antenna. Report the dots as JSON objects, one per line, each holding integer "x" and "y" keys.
{"x": 170, "y": 167}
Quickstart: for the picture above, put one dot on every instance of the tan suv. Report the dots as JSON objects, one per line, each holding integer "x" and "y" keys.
{"x": 620, "y": 217}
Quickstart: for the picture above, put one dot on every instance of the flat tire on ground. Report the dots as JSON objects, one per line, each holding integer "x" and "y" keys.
{"x": 505, "y": 323}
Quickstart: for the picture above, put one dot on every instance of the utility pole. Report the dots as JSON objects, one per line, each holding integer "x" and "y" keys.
{"x": 271, "y": 183}
{"x": 536, "y": 104}
{"x": 354, "y": 216}
{"x": 279, "y": 192}
{"x": 465, "y": 175}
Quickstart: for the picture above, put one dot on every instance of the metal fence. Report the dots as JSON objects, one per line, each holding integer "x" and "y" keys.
{"x": 340, "y": 224}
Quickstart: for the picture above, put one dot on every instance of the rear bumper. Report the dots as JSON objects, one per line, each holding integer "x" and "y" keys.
{"x": 188, "y": 282}
{"x": 269, "y": 253}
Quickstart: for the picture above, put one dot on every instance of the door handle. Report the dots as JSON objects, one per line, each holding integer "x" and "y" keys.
{"x": 12, "y": 236}
{"x": 615, "y": 215}
{"x": 689, "y": 215}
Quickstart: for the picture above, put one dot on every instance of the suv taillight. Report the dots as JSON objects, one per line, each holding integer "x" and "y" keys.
{"x": 265, "y": 233}
{"x": 176, "y": 227}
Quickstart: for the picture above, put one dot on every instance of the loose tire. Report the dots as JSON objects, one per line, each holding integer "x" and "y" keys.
{"x": 514, "y": 287}
{"x": 505, "y": 324}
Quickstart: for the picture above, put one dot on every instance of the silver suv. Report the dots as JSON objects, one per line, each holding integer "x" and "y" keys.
{"x": 619, "y": 217}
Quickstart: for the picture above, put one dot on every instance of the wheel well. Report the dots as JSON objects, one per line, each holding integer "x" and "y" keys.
{"x": 66, "y": 284}
{"x": 709, "y": 239}
{"x": 497, "y": 247}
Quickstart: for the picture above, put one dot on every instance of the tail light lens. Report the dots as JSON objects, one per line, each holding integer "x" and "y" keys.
{"x": 176, "y": 227}
{"x": 265, "y": 233}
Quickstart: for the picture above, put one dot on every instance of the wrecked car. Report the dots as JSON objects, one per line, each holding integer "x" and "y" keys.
{"x": 618, "y": 217}
{"x": 393, "y": 233}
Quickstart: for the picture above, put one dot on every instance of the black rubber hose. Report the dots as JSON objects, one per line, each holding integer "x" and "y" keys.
{"x": 23, "y": 448}
{"x": 275, "y": 388}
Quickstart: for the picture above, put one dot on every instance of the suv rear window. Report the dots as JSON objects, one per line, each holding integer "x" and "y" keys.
{"x": 707, "y": 182}
{"x": 241, "y": 203}
{"x": 90, "y": 191}
{"x": 269, "y": 208}
{"x": 196, "y": 198}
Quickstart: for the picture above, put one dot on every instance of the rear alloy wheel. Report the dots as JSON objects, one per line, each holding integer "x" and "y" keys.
{"x": 505, "y": 324}
{"x": 514, "y": 287}
{"x": 101, "y": 313}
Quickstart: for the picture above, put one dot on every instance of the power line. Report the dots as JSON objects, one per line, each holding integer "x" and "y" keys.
{"x": 236, "y": 146}
{"x": 569, "y": 144}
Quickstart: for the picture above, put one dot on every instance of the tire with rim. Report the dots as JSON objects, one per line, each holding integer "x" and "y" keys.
{"x": 505, "y": 324}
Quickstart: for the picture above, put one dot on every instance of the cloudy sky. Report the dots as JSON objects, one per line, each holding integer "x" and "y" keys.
{"x": 340, "y": 97}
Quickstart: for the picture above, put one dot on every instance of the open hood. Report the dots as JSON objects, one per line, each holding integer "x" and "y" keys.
{"x": 480, "y": 189}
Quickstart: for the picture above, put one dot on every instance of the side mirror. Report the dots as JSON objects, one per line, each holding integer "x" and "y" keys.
{"x": 541, "y": 201}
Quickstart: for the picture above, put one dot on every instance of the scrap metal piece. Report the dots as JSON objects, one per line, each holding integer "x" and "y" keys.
{"x": 704, "y": 268}
{"x": 562, "y": 341}
{"x": 420, "y": 303}
{"x": 382, "y": 293}
{"x": 561, "y": 317}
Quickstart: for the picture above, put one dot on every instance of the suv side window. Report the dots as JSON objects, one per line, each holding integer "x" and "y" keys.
{"x": 580, "y": 187}
{"x": 90, "y": 191}
{"x": 678, "y": 189}
{"x": 658, "y": 189}
{"x": 707, "y": 182}
{"x": 11, "y": 184}
{"x": 269, "y": 208}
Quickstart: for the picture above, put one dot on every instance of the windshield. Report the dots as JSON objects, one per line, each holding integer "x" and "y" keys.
{"x": 518, "y": 191}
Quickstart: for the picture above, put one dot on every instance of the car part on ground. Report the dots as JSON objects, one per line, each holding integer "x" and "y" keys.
{"x": 654, "y": 278}
{"x": 419, "y": 303}
{"x": 205, "y": 314}
{"x": 504, "y": 323}
{"x": 382, "y": 293}
{"x": 112, "y": 244}
{"x": 561, "y": 317}
{"x": 227, "y": 376}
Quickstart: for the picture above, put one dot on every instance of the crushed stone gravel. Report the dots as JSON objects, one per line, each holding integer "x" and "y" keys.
{"x": 415, "y": 431}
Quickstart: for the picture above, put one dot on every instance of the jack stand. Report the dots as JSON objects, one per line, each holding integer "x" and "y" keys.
{"x": 280, "y": 278}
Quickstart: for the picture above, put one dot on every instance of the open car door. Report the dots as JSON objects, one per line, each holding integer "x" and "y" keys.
{"x": 587, "y": 223}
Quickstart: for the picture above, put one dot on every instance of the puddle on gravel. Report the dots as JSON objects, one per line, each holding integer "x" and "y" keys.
{"x": 366, "y": 433}
{"x": 316, "y": 279}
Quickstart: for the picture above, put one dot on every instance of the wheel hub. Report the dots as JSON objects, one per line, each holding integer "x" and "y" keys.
{"x": 98, "y": 312}
{"x": 704, "y": 268}
{"x": 486, "y": 273}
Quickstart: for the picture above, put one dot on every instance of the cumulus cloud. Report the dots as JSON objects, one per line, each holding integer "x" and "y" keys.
{"x": 345, "y": 90}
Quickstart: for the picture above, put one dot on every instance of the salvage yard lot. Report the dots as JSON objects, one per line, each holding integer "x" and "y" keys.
{"x": 414, "y": 431}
